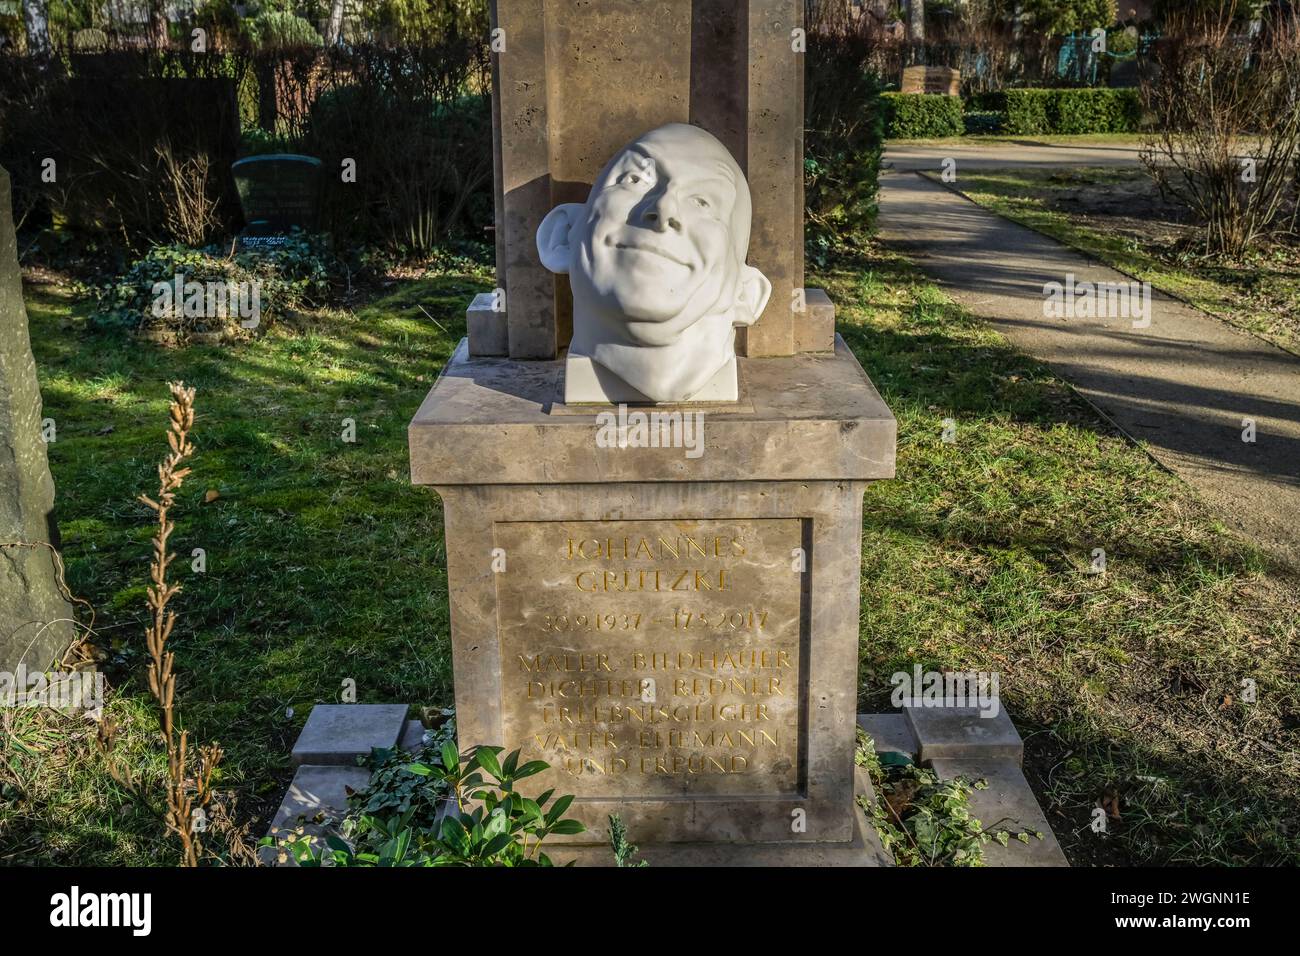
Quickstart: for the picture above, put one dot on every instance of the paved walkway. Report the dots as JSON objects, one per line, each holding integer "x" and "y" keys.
{"x": 1183, "y": 385}
{"x": 1011, "y": 153}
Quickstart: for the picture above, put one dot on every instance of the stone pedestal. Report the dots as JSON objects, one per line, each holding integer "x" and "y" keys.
{"x": 674, "y": 629}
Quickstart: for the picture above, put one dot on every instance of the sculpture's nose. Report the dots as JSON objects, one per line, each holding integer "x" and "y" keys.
{"x": 660, "y": 214}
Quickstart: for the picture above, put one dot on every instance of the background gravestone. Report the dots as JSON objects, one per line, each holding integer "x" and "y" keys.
{"x": 29, "y": 594}
{"x": 277, "y": 193}
{"x": 940, "y": 80}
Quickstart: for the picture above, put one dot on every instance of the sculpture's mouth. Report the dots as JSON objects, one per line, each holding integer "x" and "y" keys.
{"x": 654, "y": 251}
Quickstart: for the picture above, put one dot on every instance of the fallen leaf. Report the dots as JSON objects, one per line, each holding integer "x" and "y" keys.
{"x": 1110, "y": 803}
{"x": 900, "y": 797}
{"x": 210, "y": 496}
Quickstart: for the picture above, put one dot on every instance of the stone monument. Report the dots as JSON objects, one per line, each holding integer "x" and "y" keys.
{"x": 36, "y": 620}
{"x": 278, "y": 193}
{"x": 660, "y": 600}
{"x": 935, "y": 80}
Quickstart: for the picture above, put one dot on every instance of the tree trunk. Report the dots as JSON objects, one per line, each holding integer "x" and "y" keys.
{"x": 36, "y": 621}
{"x": 37, "y": 23}
{"x": 334, "y": 31}
{"x": 916, "y": 30}
{"x": 916, "y": 21}
{"x": 159, "y": 37}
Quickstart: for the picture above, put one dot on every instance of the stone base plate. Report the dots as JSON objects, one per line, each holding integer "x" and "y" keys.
{"x": 319, "y": 792}
{"x": 800, "y": 418}
{"x": 863, "y": 850}
{"x": 339, "y": 733}
{"x": 741, "y": 405}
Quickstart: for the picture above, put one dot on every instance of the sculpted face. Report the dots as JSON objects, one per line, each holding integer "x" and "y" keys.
{"x": 656, "y": 255}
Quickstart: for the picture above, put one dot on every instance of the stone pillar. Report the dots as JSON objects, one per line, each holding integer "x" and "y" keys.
{"x": 577, "y": 81}
{"x": 35, "y": 620}
{"x": 774, "y": 168}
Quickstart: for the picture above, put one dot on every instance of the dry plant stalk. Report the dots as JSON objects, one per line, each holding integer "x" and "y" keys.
{"x": 1227, "y": 106}
{"x": 185, "y": 793}
{"x": 190, "y": 210}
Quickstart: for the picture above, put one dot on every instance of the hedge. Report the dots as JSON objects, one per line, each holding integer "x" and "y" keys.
{"x": 843, "y": 140}
{"x": 1082, "y": 110}
{"x": 922, "y": 115}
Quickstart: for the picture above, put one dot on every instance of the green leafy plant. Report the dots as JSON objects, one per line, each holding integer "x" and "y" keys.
{"x": 922, "y": 820}
{"x": 395, "y": 842}
{"x": 481, "y": 820}
{"x": 395, "y": 790}
{"x": 255, "y": 141}
{"x": 843, "y": 139}
{"x": 291, "y": 275}
{"x": 982, "y": 122}
{"x": 406, "y": 21}
{"x": 276, "y": 30}
{"x": 493, "y": 825}
{"x": 1054, "y": 17}
{"x": 624, "y": 851}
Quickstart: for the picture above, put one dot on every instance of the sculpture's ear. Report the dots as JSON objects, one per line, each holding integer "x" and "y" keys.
{"x": 553, "y": 236}
{"x": 752, "y": 295}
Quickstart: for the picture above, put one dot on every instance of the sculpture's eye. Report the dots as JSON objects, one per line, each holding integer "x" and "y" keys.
{"x": 636, "y": 177}
{"x": 701, "y": 202}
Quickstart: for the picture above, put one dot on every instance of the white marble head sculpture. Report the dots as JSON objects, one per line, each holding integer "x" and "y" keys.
{"x": 656, "y": 261}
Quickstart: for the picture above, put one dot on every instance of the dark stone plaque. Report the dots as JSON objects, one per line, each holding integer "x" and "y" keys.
{"x": 277, "y": 193}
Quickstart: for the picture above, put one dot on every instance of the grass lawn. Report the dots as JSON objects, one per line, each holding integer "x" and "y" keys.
{"x": 324, "y": 564}
{"x": 1116, "y": 216}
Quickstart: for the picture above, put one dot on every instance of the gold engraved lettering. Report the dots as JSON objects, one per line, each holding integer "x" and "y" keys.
{"x": 656, "y": 658}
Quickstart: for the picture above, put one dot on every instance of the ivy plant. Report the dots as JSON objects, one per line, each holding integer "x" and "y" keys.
{"x": 480, "y": 820}
{"x": 923, "y": 820}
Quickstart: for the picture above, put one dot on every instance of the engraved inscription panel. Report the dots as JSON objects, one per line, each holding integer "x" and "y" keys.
{"x": 653, "y": 658}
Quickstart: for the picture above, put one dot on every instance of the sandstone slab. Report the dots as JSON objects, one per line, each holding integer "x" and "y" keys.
{"x": 337, "y": 734}
{"x": 315, "y": 803}
{"x": 890, "y": 733}
{"x": 963, "y": 732}
{"x": 1008, "y": 803}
